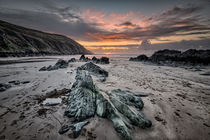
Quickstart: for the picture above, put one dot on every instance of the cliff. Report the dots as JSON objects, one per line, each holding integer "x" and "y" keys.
{"x": 20, "y": 41}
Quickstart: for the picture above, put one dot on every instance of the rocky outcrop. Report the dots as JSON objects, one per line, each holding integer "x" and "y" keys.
{"x": 19, "y": 41}
{"x": 165, "y": 55}
{"x": 119, "y": 111}
{"x": 196, "y": 56}
{"x": 60, "y": 64}
{"x": 139, "y": 58}
{"x": 83, "y": 58}
{"x": 123, "y": 108}
{"x": 96, "y": 70}
{"x": 82, "y": 97}
{"x": 102, "y": 60}
{"x": 175, "y": 58}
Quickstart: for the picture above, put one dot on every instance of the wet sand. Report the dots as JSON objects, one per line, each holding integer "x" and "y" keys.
{"x": 178, "y": 103}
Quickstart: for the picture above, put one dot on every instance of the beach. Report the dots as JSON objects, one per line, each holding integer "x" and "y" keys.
{"x": 178, "y": 101}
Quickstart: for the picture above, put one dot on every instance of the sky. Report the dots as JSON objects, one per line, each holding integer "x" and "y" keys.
{"x": 117, "y": 26}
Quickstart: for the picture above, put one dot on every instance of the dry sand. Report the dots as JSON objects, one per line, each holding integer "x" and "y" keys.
{"x": 178, "y": 103}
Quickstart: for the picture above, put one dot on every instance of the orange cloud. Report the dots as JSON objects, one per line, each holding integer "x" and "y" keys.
{"x": 111, "y": 21}
{"x": 107, "y": 48}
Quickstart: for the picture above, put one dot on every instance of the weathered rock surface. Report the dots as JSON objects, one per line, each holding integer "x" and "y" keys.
{"x": 176, "y": 58}
{"x": 123, "y": 108}
{"x": 106, "y": 109}
{"x": 19, "y": 41}
{"x": 94, "y": 69}
{"x": 60, "y": 64}
{"x": 123, "y": 100}
{"x": 82, "y": 97}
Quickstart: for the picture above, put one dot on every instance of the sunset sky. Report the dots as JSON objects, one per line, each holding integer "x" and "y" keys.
{"x": 117, "y": 26}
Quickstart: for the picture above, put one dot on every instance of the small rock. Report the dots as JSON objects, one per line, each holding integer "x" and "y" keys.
{"x": 52, "y": 101}
{"x": 83, "y": 58}
{"x": 75, "y": 127}
{"x": 4, "y": 87}
{"x": 72, "y": 60}
{"x": 15, "y": 82}
{"x": 25, "y": 82}
{"x": 206, "y": 73}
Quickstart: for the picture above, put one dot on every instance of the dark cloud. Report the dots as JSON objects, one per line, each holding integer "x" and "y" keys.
{"x": 180, "y": 11}
{"x": 47, "y": 21}
{"x": 66, "y": 19}
{"x": 66, "y": 12}
{"x": 178, "y": 21}
{"x": 127, "y": 24}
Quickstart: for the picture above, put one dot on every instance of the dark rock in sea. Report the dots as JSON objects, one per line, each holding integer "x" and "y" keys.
{"x": 165, "y": 55}
{"x": 19, "y": 41}
{"x": 94, "y": 59}
{"x": 196, "y": 56}
{"x": 72, "y": 60}
{"x": 4, "y": 87}
{"x": 139, "y": 58}
{"x": 76, "y": 128}
{"x": 175, "y": 58}
{"x": 102, "y": 60}
{"x": 60, "y": 64}
{"x": 83, "y": 58}
{"x": 94, "y": 69}
{"x": 123, "y": 108}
